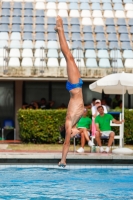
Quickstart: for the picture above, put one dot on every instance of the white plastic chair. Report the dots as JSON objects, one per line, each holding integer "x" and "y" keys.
{"x": 115, "y": 53}
{"x": 63, "y": 67}
{"x": 14, "y": 62}
{"x": 97, "y": 13}
{"x": 61, "y": 55}
{"x": 81, "y": 65}
{"x": 104, "y": 63}
{"x": 86, "y": 21}
{"x": 39, "y": 44}
{"x": 53, "y": 67}
{"x": 18, "y": 0}
{"x": 129, "y": 14}
{"x": 4, "y": 36}
{"x": 63, "y": 62}
{"x": 39, "y": 63}
{"x": 27, "y": 53}
{"x": 40, "y": 5}
{"x": 118, "y": 63}
{"x": 39, "y": 53}
{"x": 51, "y": 5}
{"x": 15, "y": 36}
{"x": 90, "y": 54}
{"x": 103, "y": 54}
{"x": 128, "y": 54}
{"x": 62, "y": 6}
{"x": 15, "y": 44}
{"x": 98, "y": 22}
{"x": 27, "y": 44}
{"x": 52, "y": 62}
{"x": 3, "y": 52}
{"x": 119, "y": 14}
{"x": 128, "y": 63}
{"x": 85, "y": 13}
{"x": 52, "y": 45}
{"x": 91, "y": 63}
{"x": 78, "y": 53}
{"x": 14, "y": 53}
{"x": 26, "y": 0}
{"x": 27, "y": 62}
{"x": 2, "y": 62}
{"x": 128, "y": 6}
{"x": 52, "y": 53}
{"x": 63, "y": 13}
{"x": 79, "y": 62}
{"x": 3, "y": 43}
{"x": 108, "y": 14}
{"x": 51, "y": 13}
{"x": 74, "y": 13}
{"x": 39, "y": 0}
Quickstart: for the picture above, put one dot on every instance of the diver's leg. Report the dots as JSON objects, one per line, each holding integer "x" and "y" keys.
{"x": 72, "y": 69}
{"x": 66, "y": 144}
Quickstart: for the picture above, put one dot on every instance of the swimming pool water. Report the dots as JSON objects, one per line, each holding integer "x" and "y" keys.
{"x": 40, "y": 183}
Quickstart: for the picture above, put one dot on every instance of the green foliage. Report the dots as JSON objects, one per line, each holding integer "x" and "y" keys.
{"x": 128, "y": 127}
{"x": 42, "y": 126}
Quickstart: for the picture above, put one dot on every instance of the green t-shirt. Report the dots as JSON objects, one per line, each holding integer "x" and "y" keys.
{"x": 104, "y": 122}
{"x": 84, "y": 122}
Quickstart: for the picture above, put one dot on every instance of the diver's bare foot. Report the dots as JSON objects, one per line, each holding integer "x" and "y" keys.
{"x": 61, "y": 164}
{"x": 59, "y": 24}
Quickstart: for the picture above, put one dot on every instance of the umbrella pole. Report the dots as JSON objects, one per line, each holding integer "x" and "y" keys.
{"x": 122, "y": 142}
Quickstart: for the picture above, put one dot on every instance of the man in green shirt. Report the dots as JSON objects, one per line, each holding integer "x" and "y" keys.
{"x": 84, "y": 126}
{"x": 103, "y": 128}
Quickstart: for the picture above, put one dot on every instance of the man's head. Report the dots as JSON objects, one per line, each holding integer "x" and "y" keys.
{"x": 97, "y": 102}
{"x": 100, "y": 110}
{"x": 85, "y": 112}
{"x": 93, "y": 101}
{"x": 43, "y": 101}
{"x": 103, "y": 102}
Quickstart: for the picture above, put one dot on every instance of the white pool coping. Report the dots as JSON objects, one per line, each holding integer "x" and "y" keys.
{"x": 2, "y": 166}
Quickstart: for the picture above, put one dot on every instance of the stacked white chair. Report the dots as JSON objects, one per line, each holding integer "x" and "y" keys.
{"x": 63, "y": 67}
{"x": 98, "y": 21}
{"x": 53, "y": 67}
{"x": 90, "y": 54}
{"x": 129, "y": 65}
{"x": 51, "y": 9}
{"x": 40, "y": 5}
{"x": 62, "y": 9}
{"x": 86, "y": 21}
{"x": 27, "y": 61}
{"x": 40, "y": 62}
{"x": 97, "y": 26}
{"x": 81, "y": 66}
{"x": 128, "y": 54}
{"x": 108, "y": 14}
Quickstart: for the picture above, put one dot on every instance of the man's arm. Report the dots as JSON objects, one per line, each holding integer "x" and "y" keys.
{"x": 117, "y": 121}
{"x": 97, "y": 127}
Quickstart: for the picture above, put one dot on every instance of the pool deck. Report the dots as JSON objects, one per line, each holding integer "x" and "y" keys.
{"x": 8, "y": 156}
{"x": 52, "y": 158}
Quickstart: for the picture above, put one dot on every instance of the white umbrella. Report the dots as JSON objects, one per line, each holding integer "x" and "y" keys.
{"x": 117, "y": 83}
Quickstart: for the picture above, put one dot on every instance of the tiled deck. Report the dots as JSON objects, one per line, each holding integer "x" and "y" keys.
{"x": 8, "y": 156}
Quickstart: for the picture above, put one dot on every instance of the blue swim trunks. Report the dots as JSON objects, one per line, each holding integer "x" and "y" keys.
{"x": 70, "y": 86}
